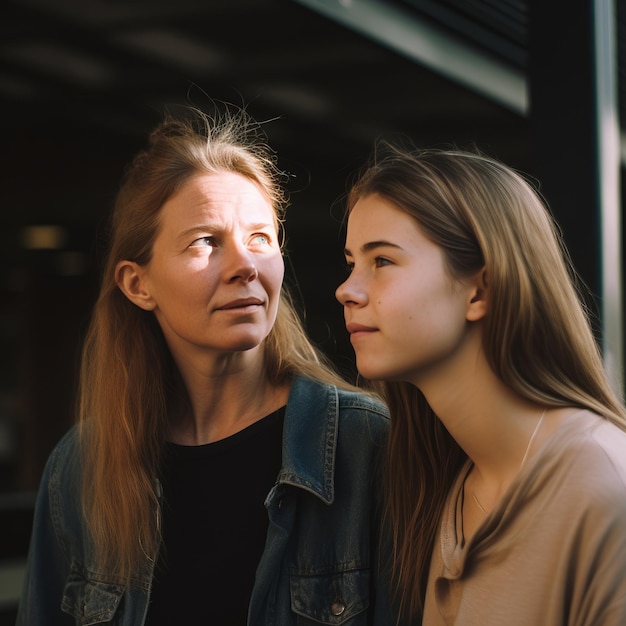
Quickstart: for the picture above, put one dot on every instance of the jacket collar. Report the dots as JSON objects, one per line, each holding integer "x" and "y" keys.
{"x": 310, "y": 438}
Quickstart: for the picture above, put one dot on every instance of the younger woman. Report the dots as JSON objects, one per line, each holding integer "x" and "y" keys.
{"x": 506, "y": 489}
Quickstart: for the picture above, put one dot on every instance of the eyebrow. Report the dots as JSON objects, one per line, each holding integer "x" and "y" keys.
{"x": 373, "y": 245}
{"x": 218, "y": 228}
{"x": 261, "y": 225}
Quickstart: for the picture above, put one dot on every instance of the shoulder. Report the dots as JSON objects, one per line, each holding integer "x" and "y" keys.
{"x": 58, "y": 496}
{"x": 589, "y": 452}
{"x": 596, "y": 478}
{"x": 599, "y": 445}
{"x": 345, "y": 398}
{"x": 604, "y": 460}
{"x": 66, "y": 449}
{"x": 345, "y": 406}
{"x": 363, "y": 400}
{"x": 359, "y": 406}
{"x": 62, "y": 466}
{"x": 611, "y": 442}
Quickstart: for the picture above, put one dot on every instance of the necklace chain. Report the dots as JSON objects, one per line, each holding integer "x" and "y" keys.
{"x": 530, "y": 443}
{"x": 478, "y": 504}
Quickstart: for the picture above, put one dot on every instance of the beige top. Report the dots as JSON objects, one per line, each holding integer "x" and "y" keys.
{"x": 553, "y": 550}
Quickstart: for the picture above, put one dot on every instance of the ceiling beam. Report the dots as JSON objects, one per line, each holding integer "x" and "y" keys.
{"x": 404, "y": 31}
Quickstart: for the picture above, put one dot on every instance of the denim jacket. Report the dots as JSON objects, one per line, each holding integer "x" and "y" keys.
{"x": 320, "y": 564}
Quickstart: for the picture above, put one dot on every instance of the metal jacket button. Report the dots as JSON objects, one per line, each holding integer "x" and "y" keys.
{"x": 337, "y": 608}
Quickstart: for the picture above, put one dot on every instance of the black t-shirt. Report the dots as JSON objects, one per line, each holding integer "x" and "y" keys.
{"x": 214, "y": 526}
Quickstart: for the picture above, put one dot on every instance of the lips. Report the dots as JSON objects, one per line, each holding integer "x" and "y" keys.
{"x": 359, "y": 328}
{"x": 240, "y": 303}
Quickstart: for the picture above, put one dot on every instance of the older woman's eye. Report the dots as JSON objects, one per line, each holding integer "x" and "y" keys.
{"x": 260, "y": 239}
{"x": 204, "y": 241}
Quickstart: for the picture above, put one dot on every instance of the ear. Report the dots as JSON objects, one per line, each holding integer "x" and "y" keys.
{"x": 477, "y": 306}
{"x": 130, "y": 278}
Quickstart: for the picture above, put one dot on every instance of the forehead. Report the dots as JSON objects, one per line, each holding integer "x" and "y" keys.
{"x": 221, "y": 196}
{"x": 374, "y": 217}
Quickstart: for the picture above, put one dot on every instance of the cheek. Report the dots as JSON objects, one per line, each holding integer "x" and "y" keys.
{"x": 274, "y": 273}
{"x": 196, "y": 286}
{"x": 399, "y": 301}
{"x": 411, "y": 308}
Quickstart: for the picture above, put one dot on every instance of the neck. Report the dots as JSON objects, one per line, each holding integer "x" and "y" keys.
{"x": 223, "y": 404}
{"x": 491, "y": 423}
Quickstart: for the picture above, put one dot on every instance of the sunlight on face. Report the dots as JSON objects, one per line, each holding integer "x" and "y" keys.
{"x": 217, "y": 269}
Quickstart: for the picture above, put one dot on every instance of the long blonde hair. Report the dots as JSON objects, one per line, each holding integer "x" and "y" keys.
{"x": 537, "y": 337}
{"x": 128, "y": 379}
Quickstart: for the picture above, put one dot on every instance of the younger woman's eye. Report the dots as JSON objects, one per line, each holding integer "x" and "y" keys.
{"x": 381, "y": 261}
{"x": 349, "y": 266}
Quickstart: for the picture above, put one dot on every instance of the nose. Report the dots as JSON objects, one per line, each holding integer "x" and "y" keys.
{"x": 242, "y": 265}
{"x": 348, "y": 293}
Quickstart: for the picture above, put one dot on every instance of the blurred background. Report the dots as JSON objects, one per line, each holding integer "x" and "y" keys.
{"x": 539, "y": 85}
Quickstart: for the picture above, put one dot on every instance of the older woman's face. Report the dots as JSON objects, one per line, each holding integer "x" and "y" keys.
{"x": 216, "y": 270}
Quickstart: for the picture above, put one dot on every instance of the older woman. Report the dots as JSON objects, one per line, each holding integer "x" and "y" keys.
{"x": 221, "y": 471}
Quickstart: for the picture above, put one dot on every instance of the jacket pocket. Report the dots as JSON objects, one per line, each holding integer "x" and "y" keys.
{"x": 332, "y": 598}
{"x": 91, "y": 602}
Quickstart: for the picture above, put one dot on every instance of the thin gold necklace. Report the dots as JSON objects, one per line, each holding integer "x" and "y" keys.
{"x": 530, "y": 443}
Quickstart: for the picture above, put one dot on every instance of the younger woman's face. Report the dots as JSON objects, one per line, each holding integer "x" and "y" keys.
{"x": 405, "y": 314}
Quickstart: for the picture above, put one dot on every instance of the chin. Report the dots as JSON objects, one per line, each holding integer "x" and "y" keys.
{"x": 240, "y": 344}
{"x": 245, "y": 339}
{"x": 370, "y": 371}
{"x": 245, "y": 345}
{"x": 373, "y": 369}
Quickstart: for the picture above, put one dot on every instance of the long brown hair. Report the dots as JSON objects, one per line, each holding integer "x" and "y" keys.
{"x": 128, "y": 379}
{"x": 537, "y": 337}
